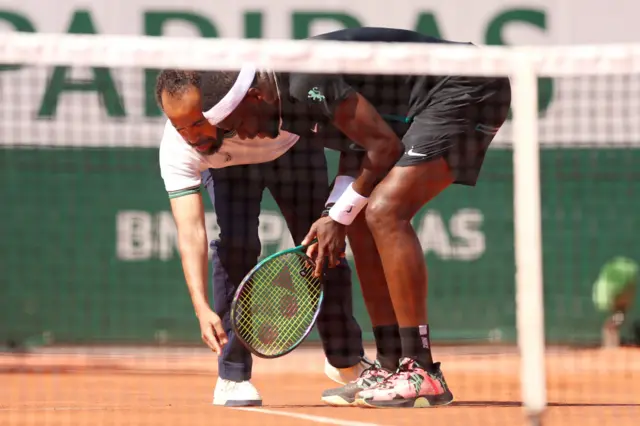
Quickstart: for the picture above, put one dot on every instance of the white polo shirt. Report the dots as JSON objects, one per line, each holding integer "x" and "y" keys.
{"x": 181, "y": 164}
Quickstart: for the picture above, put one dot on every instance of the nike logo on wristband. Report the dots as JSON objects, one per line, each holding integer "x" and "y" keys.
{"x": 350, "y": 208}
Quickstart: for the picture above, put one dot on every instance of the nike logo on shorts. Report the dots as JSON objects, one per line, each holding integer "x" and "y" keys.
{"x": 354, "y": 147}
{"x": 411, "y": 153}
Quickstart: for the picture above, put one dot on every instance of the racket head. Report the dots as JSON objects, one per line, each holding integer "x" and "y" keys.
{"x": 277, "y": 304}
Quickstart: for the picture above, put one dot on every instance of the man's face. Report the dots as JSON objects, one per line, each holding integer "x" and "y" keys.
{"x": 253, "y": 118}
{"x": 185, "y": 113}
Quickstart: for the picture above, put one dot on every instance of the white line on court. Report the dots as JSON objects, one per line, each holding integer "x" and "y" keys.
{"x": 309, "y": 417}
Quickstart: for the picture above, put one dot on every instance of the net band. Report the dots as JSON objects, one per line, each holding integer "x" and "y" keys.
{"x": 312, "y": 55}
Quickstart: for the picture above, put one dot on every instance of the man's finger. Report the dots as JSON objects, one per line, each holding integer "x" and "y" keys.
{"x": 220, "y": 333}
{"x": 311, "y": 251}
{"x": 206, "y": 341}
{"x": 320, "y": 262}
{"x": 212, "y": 341}
{"x": 333, "y": 259}
{"x": 310, "y": 235}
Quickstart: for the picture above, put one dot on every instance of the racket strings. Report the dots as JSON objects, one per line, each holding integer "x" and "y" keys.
{"x": 270, "y": 332}
{"x": 278, "y": 304}
{"x": 292, "y": 264}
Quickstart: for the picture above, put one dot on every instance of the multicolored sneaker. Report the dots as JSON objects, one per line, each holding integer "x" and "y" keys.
{"x": 346, "y": 395}
{"x": 410, "y": 387}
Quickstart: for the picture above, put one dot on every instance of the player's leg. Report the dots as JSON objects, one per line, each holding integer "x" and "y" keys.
{"x": 380, "y": 308}
{"x": 371, "y": 246}
{"x": 374, "y": 289}
{"x": 419, "y": 177}
{"x": 392, "y": 206}
{"x": 298, "y": 182}
{"x": 445, "y": 144}
{"x": 236, "y": 193}
{"x": 367, "y": 261}
{"x": 375, "y": 292}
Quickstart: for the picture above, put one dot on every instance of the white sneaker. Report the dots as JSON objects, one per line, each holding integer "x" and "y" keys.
{"x": 236, "y": 394}
{"x": 346, "y": 375}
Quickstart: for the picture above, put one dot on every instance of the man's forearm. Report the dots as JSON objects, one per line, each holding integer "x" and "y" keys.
{"x": 375, "y": 165}
{"x": 360, "y": 122}
{"x": 195, "y": 264}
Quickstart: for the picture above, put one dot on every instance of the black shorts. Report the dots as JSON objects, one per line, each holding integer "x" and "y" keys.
{"x": 459, "y": 122}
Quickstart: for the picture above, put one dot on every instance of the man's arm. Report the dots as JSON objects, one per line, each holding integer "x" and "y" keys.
{"x": 361, "y": 123}
{"x": 332, "y": 99}
{"x": 179, "y": 169}
{"x": 188, "y": 213}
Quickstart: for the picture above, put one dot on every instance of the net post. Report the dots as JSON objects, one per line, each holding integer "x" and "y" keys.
{"x": 528, "y": 237}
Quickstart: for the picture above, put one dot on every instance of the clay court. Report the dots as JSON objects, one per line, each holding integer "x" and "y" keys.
{"x": 162, "y": 387}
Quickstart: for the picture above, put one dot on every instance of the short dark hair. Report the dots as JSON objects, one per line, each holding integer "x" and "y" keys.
{"x": 175, "y": 83}
{"x": 215, "y": 85}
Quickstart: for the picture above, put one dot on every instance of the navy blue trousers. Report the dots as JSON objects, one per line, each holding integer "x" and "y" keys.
{"x": 298, "y": 181}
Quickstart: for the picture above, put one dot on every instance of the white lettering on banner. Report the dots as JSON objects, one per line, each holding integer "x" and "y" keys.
{"x": 465, "y": 230}
{"x": 134, "y": 239}
{"x": 143, "y": 236}
{"x": 461, "y": 240}
{"x": 117, "y": 107}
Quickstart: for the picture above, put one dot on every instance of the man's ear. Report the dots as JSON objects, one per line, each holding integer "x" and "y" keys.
{"x": 262, "y": 95}
{"x": 254, "y": 92}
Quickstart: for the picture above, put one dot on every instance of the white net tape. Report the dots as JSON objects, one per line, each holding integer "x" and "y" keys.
{"x": 311, "y": 56}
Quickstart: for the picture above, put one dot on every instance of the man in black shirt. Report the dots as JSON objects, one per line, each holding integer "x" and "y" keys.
{"x": 419, "y": 134}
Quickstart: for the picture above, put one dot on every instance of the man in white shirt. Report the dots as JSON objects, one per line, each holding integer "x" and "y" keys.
{"x": 235, "y": 173}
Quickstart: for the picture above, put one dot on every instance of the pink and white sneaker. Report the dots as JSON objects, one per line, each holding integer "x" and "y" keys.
{"x": 410, "y": 387}
{"x": 346, "y": 395}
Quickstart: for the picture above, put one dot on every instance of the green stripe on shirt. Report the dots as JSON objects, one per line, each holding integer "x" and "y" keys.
{"x": 183, "y": 192}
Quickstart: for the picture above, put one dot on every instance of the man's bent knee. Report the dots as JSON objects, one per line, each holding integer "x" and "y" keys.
{"x": 383, "y": 213}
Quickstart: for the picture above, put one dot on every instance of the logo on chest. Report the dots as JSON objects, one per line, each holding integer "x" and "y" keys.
{"x": 315, "y": 95}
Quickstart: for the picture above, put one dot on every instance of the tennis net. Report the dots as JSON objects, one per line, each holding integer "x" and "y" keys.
{"x": 89, "y": 247}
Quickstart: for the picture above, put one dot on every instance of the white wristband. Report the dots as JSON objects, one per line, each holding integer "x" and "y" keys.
{"x": 339, "y": 186}
{"x": 348, "y": 206}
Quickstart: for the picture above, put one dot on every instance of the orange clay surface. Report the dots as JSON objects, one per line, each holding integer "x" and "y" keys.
{"x": 171, "y": 387}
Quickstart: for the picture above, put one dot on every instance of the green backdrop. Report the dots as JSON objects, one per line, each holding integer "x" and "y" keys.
{"x": 68, "y": 274}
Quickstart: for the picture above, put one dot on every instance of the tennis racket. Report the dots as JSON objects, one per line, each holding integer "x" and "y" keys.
{"x": 276, "y": 306}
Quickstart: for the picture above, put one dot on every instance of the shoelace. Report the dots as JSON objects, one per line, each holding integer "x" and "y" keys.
{"x": 402, "y": 373}
{"x": 369, "y": 373}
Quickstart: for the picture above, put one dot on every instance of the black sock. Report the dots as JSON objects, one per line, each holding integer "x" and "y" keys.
{"x": 417, "y": 345}
{"x": 388, "y": 345}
